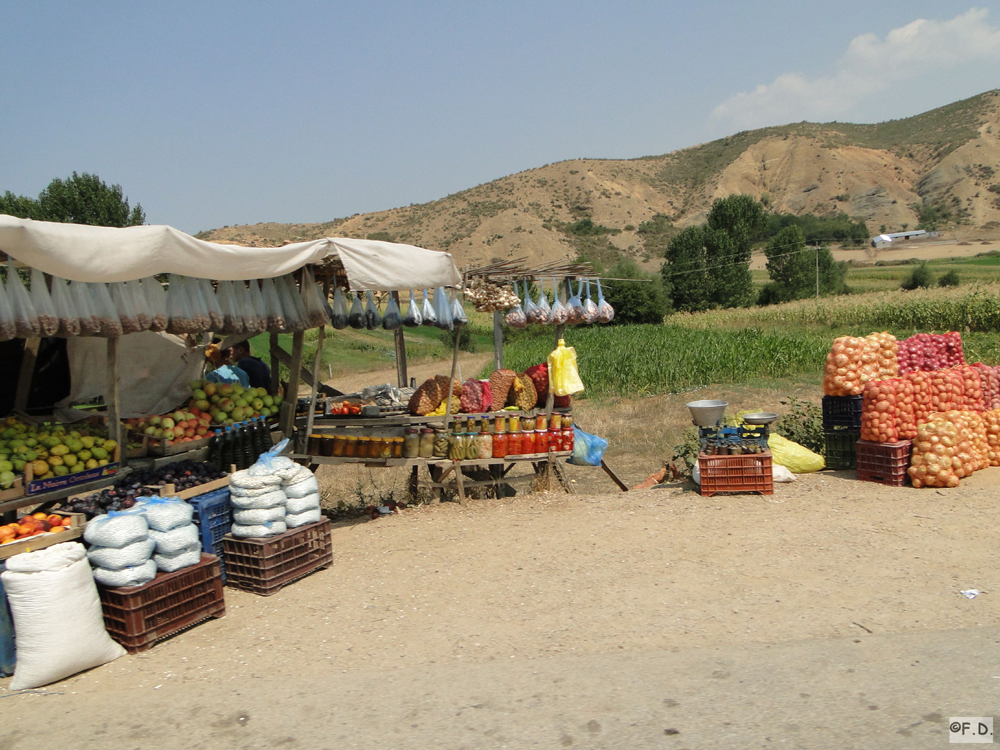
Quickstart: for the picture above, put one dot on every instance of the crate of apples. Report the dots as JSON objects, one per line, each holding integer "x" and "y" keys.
{"x": 33, "y": 525}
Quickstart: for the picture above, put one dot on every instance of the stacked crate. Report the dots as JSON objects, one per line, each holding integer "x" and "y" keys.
{"x": 750, "y": 472}
{"x": 842, "y": 430}
{"x": 884, "y": 463}
{"x": 264, "y": 566}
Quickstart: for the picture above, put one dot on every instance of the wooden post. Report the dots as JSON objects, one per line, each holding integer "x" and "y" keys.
{"x": 401, "y": 379}
{"x": 315, "y": 388}
{"x": 28, "y": 359}
{"x": 292, "y": 395}
{"x": 111, "y": 398}
{"x": 497, "y": 340}
{"x": 275, "y": 362}
{"x": 454, "y": 366}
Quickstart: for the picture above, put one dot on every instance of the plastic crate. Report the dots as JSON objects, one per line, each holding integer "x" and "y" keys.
{"x": 841, "y": 450}
{"x": 140, "y": 616}
{"x": 884, "y": 463}
{"x": 264, "y": 566}
{"x": 213, "y": 514}
{"x": 842, "y": 413}
{"x": 8, "y": 650}
{"x": 751, "y": 472}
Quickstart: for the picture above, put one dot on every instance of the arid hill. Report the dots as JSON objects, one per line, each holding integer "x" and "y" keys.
{"x": 944, "y": 163}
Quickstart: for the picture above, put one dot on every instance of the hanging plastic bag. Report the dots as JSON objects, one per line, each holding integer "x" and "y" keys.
{"x": 107, "y": 313}
{"x": 290, "y": 302}
{"x": 275, "y": 315}
{"x": 443, "y": 310}
{"x": 123, "y": 306}
{"x": 564, "y": 377}
{"x": 339, "y": 317}
{"x": 312, "y": 300}
{"x": 427, "y": 312}
{"x": 232, "y": 321}
{"x": 605, "y": 312}
{"x": 588, "y": 450}
{"x": 8, "y": 329}
{"x": 156, "y": 302}
{"x": 143, "y": 316}
{"x": 530, "y": 307}
{"x": 180, "y": 310}
{"x": 543, "y": 312}
{"x": 590, "y": 313}
{"x": 48, "y": 321}
{"x": 255, "y": 300}
{"x": 69, "y": 323}
{"x": 357, "y": 317}
{"x": 515, "y": 317}
{"x": 196, "y": 292}
{"x": 25, "y": 318}
{"x": 373, "y": 319}
{"x": 559, "y": 314}
{"x": 393, "y": 318}
{"x": 797, "y": 458}
{"x": 457, "y": 312}
{"x": 90, "y": 324}
{"x": 413, "y": 317}
{"x": 575, "y": 306}
{"x": 216, "y": 320}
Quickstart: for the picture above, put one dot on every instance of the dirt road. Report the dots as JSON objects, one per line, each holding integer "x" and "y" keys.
{"x": 442, "y": 596}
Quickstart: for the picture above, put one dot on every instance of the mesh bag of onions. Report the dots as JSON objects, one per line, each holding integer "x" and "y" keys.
{"x": 973, "y": 445}
{"x": 991, "y": 421}
{"x": 990, "y": 386}
{"x": 934, "y": 452}
{"x": 850, "y": 365}
{"x": 887, "y": 414}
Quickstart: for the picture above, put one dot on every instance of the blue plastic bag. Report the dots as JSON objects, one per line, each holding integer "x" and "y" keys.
{"x": 229, "y": 374}
{"x": 588, "y": 450}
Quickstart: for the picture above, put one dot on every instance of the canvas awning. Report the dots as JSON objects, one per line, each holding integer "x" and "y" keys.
{"x": 86, "y": 253}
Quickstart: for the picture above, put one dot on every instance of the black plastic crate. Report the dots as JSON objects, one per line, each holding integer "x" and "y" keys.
{"x": 841, "y": 450}
{"x": 842, "y": 413}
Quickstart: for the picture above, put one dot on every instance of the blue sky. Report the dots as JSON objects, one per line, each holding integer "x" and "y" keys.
{"x": 231, "y": 113}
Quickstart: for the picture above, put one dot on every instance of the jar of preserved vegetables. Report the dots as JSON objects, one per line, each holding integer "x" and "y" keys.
{"x": 411, "y": 442}
{"x": 426, "y": 443}
{"x": 555, "y": 421}
{"x": 351, "y": 446}
{"x": 500, "y": 444}
{"x": 527, "y": 441}
{"x": 485, "y": 443}
{"x": 442, "y": 442}
{"x": 500, "y": 424}
{"x": 339, "y": 443}
{"x": 542, "y": 441}
{"x": 541, "y": 422}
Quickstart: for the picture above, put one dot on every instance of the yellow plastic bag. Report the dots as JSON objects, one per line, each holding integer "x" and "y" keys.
{"x": 564, "y": 377}
{"x": 796, "y": 458}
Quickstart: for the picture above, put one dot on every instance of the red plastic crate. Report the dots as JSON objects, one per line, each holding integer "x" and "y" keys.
{"x": 751, "y": 472}
{"x": 264, "y": 566}
{"x": 884, "y": 463}
{"x": 138, "y": 617}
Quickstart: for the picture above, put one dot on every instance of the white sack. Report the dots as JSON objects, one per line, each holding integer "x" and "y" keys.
{"x": 301, "y": 489}
{"x": 116, "y": 529}
{"x": 294, "y": 520}
{"x": 302, "y": 504}
{"x": 272, "y": 528}
{"x": 129, "y": 556}
{"x": 256, "y": 516}
{"x": 185, "y": 558}
{"x": 173, "y": 541}
{"x": 137, "y": 575}
{"x": 57, "y": 615}
{"x": 249, "y": 480}
{"x": 273, "y": 499}
{"x": 166, "y": 513}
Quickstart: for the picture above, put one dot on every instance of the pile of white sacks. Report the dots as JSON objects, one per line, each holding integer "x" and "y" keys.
{"x": 127, "y": 548}
{"x": 272, "y": 496}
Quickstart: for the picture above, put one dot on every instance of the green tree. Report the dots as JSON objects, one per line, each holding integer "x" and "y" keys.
{"x": 792, "y": 267}
{"x": 80, "y": 199}
{"x": 684, "y": 275}
{"x": 742, "y": 218}
{"x": 949, "y": 279}
{"x": 635, "y": 301}
{"x": 920, "y": 278}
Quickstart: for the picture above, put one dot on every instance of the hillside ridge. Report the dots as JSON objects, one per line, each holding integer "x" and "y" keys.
{"x": 941, "y": 165}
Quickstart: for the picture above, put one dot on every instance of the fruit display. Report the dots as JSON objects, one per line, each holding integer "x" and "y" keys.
{"x": 52, "y": 450}
{"x": 211, "y": 405}
{"x": 184, "y": 475}
{"x": 344, "y": 407}
{"x": 33, "y": 525}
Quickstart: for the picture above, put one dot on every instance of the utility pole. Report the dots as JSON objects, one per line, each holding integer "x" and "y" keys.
{"x": 817, "y": 273}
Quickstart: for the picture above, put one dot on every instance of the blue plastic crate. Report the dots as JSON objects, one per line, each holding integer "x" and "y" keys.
{"x": 8, "y": 650}
{"x": 213, "y": 514}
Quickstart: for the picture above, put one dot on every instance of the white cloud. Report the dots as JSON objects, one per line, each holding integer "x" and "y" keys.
{"x": 869, "y": 67}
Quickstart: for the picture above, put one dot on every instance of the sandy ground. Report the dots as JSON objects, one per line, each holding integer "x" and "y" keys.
{"x": 554, "y": 574}
{"x": 919, "y": 250}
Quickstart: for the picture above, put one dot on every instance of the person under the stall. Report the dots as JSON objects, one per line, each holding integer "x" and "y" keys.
{"x": 223, "y": 370}
{"x": 258, "y": 372}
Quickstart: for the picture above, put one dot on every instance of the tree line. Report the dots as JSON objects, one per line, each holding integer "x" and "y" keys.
{"x": 80, "y": 199}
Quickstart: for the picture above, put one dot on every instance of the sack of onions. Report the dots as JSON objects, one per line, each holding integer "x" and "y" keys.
{"x": 886, "y": 355}
{"x": 933, "y": 454}
{"x": 972, "y": 449}
{"x": 990, "y": 385}
{"x": 991, "y": 421}
{"x": 972, "y": 388}
{"x": 879, "y": 412}
{"x": 850, "y": 365}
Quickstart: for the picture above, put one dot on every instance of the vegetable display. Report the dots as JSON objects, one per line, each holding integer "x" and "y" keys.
{"x": 850, "y": 365}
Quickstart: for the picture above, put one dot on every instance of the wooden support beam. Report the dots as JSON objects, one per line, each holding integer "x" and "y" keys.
{"x": 613, "y": 476}
{"x": 315, "y": 386}
{"x": 275, "y": 370}
{"x": 400, "y": 342}
{"x": 111, "y": 398}
{"x": 454, "y": 366}
{"x": 24, "y": 379}
{"x": 292, "y": 395}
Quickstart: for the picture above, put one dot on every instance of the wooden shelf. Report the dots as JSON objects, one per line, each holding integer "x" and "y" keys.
{"x": 393, "y": 462}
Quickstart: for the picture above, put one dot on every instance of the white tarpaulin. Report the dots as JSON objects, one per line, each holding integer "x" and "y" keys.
{"x": 154, "y": 371}
{"x": 85, "y": 253}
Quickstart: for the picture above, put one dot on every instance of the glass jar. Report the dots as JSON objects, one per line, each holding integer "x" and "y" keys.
{"x": 555, "y": 421}
{"x": 500, "y": 424}
{"x": 514, "y": 423}
{"x": 542, "y": 441}
{"x": 411, "y": 442}
{"x": 514, "y": 443}
{"x": 485, "y": 444}
{"x": 339, "y": 443}
{"x": 527, "y": 442}
{"x": 456, "y": 447}
{"x": 374, "y": 447}
{"x": 312, "y": 445}
{"x": 541, "y": 422}
{"x": 442, "y": 443}
{"x": 567, "y": 440}
{"x": 567, "y": 421}
{"x": 326, "y": 445}
{"x": 351, "y": 446}
{"x": 426, "y": 449}
{"x": 500, "y": 444}
{"x": 386, "y": 448}
{"x": 397, "y": 447}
